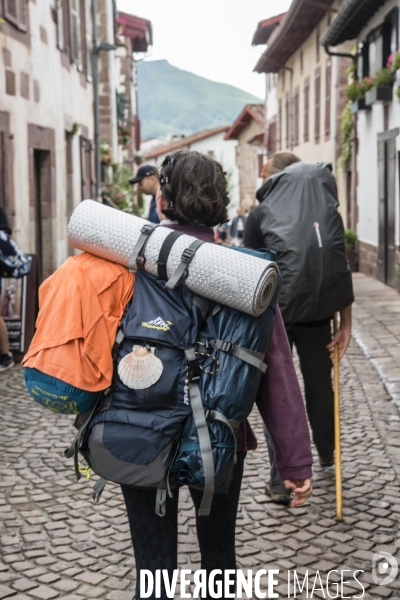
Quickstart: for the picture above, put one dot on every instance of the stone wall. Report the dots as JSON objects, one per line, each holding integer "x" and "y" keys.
{"x": 368, "y": 259}
{"x": 247, "y": 164}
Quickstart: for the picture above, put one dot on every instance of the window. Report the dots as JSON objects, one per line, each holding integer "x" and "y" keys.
{"x": 317, "y": 108}
{"x": 287, "y": 118}
{"x": 328, "y": 84}
{"x": 307, "y": 110}
{"x": 296, "y": 117}
{"x": 272, "y": 141}
{"x": 87, "y": 183}
{"x": 260, "y": 163}
{"x": 280, "y": 124}
{"x": 390, "y": 34}
{"x": 16, "y": 11}
{"x": 72, "y": 33}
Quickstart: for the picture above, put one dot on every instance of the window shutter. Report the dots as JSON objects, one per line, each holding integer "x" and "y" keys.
{"x": 317, "y": 109}
{"x": 11, "y": 11}
{"x": 75, "y": 30}
{"x": 23, "y": 15}
{"x": 60, "y": 25}
{"x": 306, "y": 109}
{"x": 6, "y": 176}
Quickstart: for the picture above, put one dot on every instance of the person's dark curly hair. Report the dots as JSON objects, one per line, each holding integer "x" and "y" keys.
{"x": 195, "y": 189}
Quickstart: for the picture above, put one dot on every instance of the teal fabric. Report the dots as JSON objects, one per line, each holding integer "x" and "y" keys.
{"x": 56, "y": 395}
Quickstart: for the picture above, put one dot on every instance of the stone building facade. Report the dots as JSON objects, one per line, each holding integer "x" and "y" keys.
{"x": 47, "y": 115}
{"x": 248, "y": 130}
{"x": 308, "y": 87}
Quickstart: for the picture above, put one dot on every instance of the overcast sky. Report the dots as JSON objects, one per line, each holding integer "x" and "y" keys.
{"x": 211, "y": 38}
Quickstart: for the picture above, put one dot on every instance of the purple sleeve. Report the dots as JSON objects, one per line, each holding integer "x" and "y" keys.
{"x": 281, "y": 406}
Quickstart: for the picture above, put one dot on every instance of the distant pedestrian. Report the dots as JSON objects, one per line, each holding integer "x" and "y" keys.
{"x": 297, "y": 216}
{"x": 6, "y": 357}
{"x": 237, "y": 228}
{"x": 146, "y": 177}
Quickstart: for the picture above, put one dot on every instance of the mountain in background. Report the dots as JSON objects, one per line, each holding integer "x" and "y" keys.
{"x": 176, "y": 102}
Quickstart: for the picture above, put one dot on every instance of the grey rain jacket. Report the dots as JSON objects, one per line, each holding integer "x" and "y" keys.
{"x": 299, "y": 219}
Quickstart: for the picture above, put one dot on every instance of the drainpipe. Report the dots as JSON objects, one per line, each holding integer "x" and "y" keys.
{"x": 104, "y": 46}
{"x": 354, "y": 144}
{"x": 290, "y": 132}
{"x": 335, "y": 73}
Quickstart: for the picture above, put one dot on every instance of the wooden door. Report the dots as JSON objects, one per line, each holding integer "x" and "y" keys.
{"x": 387, "y": 211}
{"x": 391, "y": 211}
{"x": 382, "y": 212}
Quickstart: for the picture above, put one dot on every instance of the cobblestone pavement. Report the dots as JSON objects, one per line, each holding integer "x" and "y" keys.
{"x": 55, "y": 543}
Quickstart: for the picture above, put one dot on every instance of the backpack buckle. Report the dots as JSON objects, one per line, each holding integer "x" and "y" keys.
{"x": 227, "y": 347}
{"x": 193, "y": 371}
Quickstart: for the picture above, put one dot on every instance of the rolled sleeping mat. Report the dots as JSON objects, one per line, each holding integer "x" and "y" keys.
{"x": 235, "y": 279}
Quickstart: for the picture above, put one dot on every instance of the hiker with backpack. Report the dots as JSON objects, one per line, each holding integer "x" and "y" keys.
{"x": 192, "y": 199}
{"x": 298, "y": 217}
{"x": 148, "y": 429}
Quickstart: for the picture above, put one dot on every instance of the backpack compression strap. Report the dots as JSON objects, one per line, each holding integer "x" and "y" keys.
{"x": 137, "y": 255}
{"x": 204, "y": 436}
{"x": 164, "y": 253}
{"x": 182, "y": 269}
{"x": 251, "y": 357}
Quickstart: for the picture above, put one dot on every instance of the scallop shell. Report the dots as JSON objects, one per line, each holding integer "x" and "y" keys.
{"x": 140, "y": 369}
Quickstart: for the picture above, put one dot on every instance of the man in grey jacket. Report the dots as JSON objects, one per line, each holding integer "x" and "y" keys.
{"x": 297, "y": 216}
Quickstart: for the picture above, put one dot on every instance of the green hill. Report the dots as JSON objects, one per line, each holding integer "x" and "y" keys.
{"x": 172, "y": 101}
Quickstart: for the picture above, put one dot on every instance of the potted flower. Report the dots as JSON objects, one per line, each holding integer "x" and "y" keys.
{"x": 382, "y": 90}
{"x": 393, "y": 64}
{"x": 105, "y": 153}
{"x": 356, "y": 91}
{"x": 350, "y": 237}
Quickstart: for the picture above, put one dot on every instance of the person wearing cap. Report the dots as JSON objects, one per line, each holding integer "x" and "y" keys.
{"x": 148, "y": 184}
{"x": 6, "y": 357}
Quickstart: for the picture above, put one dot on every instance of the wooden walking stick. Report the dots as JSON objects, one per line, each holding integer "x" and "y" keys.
{"x": 338, "y": 455}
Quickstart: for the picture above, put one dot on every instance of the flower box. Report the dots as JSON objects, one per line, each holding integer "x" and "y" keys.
{"x": 358, "y": 105}
{"x": 398, "y": 77}
{"x": 380, "y": 93}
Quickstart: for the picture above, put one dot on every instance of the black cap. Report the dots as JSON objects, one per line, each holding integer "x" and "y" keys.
{"x": 142, "y": 172}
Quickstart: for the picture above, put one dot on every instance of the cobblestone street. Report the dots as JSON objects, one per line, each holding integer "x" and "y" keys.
{"x": 56, "y": 543}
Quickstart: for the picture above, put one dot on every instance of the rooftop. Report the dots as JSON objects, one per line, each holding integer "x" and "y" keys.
{"x": 138, "y": 29}
{"x": 250, "y": 112}
{"x": 295, "y": 27}
{"x": 184, "y": 142}
{"x": 351, "y": 18}
{"x": 265, "y": 29}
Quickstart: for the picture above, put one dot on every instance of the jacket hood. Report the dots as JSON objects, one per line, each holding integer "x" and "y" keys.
{"x": 294, "y": 171}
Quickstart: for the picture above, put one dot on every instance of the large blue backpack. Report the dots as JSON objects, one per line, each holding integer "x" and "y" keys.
{"x": 182, "y": 429}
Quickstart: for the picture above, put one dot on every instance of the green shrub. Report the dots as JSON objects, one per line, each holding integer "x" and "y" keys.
{"x": 383, "y": 77}
{"x": 346, "y": 132}
{"x": 120, "y": 190}
{"x": 350, "y": 237}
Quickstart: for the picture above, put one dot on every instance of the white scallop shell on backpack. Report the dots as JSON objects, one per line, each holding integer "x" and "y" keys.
{"x": 140, "y": 369}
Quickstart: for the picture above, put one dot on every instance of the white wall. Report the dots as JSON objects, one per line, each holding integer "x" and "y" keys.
{"x": 369, "y": 125}
{"x": 63, "y": 101}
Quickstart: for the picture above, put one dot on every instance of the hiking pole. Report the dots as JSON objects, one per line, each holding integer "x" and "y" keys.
{"x": 336, "y": 396}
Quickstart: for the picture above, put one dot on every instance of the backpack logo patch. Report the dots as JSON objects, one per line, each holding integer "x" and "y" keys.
{"x": 317, "y": 231}
{"x": 158, "y": 324}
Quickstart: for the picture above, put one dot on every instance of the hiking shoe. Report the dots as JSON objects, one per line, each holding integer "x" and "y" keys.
{"x": 327, "y": 461}
{"x": 278, "y": 497}
{"x": 6, "y": 362}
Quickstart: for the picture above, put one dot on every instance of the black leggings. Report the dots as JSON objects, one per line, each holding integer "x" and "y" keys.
{"x": 155, "y": 539}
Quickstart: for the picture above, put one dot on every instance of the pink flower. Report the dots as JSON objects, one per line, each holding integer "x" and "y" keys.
{"x": 390, "y": 60}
